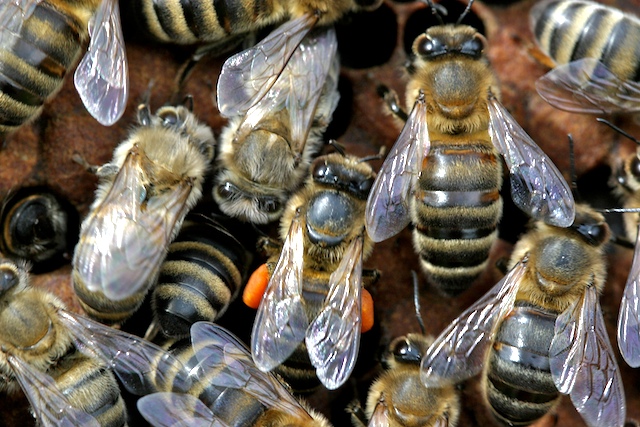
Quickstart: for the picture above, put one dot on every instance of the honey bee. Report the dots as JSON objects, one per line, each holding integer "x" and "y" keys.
{"x": 444, "y": 172}
{"x": 277, "y": 117}
{"x": 595, "y": 47}
{"x": 202, "y": 274}
{"x": 41, "y": 39}
{"x": 65, "y": 363}
{"x": 35, "y": 226}
{"x": 313, "y": 310}
{"x": 144, "y": 193}
{"x": 201, "y": 21}
{"x": 398, "y": 398}
{"x": 244, "y": 395}
{"x": 539, "y": 332}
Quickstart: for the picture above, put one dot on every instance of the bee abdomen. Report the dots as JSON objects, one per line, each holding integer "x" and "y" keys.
{"x": 91, "y": 387}
{"x": 571, "y": 30}
{"x": 202, "y": 274}
{"x": 176, "y": 21}
{"x": 519, "y": 386}
{"x": 35, "y": 62}
{"x": 457, "y": 209}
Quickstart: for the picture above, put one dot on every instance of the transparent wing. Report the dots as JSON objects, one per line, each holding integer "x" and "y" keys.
{"x": 380, "y": 416}
{"x": 12, "y": 15}
{"x": 387, "y": 211}
{"x": 333, "y": 337}
{"x": 246, "y": 77}
{"x": 588, "y": 86}
{"x": 583, "y": 364}
{"x": 102, "y": 76}
{"x": 281, "y": 320}
{"x": 220, "y": 351}
{"x": 537, "y": 186}
{"x": 177, "y": 410}
{"x": 125, "y": 238}
{"x": 50, "y": 406}
{"x": 629, "y": 317}
{"x": 459, "y": 351}
{"x": 141, "y": 366}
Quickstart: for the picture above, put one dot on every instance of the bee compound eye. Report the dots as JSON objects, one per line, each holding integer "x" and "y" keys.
{"x": 169, "y": 118}
{"x": 226, "y": 190}
{"x": 473, "y": 47}
{"x": 429, "y": 47}
{"x": 8, "y": 279}
{"x": 404, "y": 351}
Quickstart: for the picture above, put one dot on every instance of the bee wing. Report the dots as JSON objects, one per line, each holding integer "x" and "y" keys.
{"x": 125, "y": 239}
{"x": 102, "y": 76}
{"x": 12, "y": 15}
{"x": 387, "y": 211}
{"x": 629, "y": 317}
{"x": 141, "y": 366}
{"x": 459, "y": 351}
{"x": 588, "y": 86}
{"x": 248, "y": 76}
{"x": 281, "y": 320}
{"x": 219, "y": 350}
{"x": 537, "y": 186}
{"x": 583, "y": 364}
{"x": 380, "y": 415}
{"x": 177, "y": 410}
{"x": 50, "y": 407}
{"x": 333, "y": 337}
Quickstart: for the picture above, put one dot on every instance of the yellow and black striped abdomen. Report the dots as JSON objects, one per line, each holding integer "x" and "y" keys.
{"x": 571, "y": 30}
{"x": 176, "y": 21}
{"x": 202, "y": 274}
{"x": 456, "y": 209}
{"x": 34, "y": 62}
{"x": 91, "y": 386}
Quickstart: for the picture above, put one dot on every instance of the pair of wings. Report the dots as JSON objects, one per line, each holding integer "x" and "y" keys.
{"x": 381, "y": 416}
{"x": 281, "y": 323}
{"x": 141, "y": 366}
{"x": 629, "y": 316}
{"x": 588, "y": 86}
{"x": 287, "y": 69}
{"x": 220, "y": 351}
{"x": 101, "y": 78}
{"x": 124, "y": 240}
{"x": 538, "y": 187}
{"x": 582, "y": 361}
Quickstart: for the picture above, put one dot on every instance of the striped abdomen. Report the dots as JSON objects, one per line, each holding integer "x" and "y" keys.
{"x": 34, "y": 62}
{"x": 456, "y": 210}
{"x": 177, "y": 21}
{"x": 517, "y": 381}
{"x": 202, "y": 274}
{"x": 91, "y": 386}
{"x": 572, "y": 30}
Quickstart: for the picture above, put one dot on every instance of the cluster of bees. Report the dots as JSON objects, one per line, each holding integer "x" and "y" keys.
{"x": 164, "y": 229}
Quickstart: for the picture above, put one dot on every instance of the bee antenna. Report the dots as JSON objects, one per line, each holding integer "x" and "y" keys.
{"x": 378, "y": 156}
{"x": 337, "y": 146}
{"x": 572, "y": 169}
{"x": 144, "y": 112}
{"x": 416, "y": 302}
{"x": 464, "y": 12}
{"x": 437, "y": 10}
{"x": 187, "y": 102}
{"x": 617, "y": 129}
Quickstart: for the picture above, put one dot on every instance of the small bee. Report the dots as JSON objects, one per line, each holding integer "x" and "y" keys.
{"x": 35, "y": 226}
{"x": 41, "y": 39}
{"x": 64, "y": 363}
{"x": 444, "y": 172}
{"x": 595, "y": 47}
{"x": 202, "y": 274}
{"x": 154, "y": 179}
{"x": 539, "y": 332}
{"x": 277, "y": 117}
{"x": 314, "y": 294}
{"x": 244, "y": 394}
{"x": 398, "y": 398}
{"x": 197, "y": 21}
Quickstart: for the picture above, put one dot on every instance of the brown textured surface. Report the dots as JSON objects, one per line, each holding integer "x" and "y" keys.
{"x": 42, "y": 154}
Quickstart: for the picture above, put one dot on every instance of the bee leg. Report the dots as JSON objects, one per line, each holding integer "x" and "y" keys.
{"x": 390, "y": 97}
{"x": 358, "y": 417}
{"x": 501, "y": 264}
{"x": 268, "y": 246}
{"x": 79, "y": 159}
{"x": 370, "y": 277}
